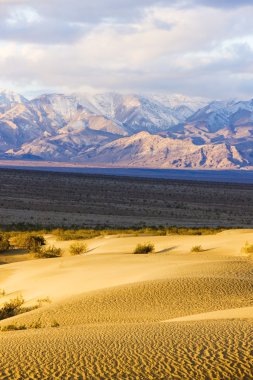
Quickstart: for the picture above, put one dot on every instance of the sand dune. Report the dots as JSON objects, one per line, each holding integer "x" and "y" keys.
{"x": 112, "y": 306}
{"x": 238, "y": 313}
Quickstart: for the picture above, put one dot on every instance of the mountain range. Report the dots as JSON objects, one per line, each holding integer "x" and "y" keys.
{"x": 127, "y": 130}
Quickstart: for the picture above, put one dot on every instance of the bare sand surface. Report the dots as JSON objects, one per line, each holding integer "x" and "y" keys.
{"x": 172, "y": 314}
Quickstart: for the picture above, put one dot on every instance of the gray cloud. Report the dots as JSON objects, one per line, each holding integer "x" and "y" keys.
{"x": 180, "y": 46}
{"x": 66, "y": 21}
{"x": 224, "y": 3}
{"x": 86, "y": 11}
{"x": 45, "y": 32}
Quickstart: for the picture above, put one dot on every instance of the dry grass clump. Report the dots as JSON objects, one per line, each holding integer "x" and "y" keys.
{"x": 4, "y": 242}
{"x": 75, "y": 234}
{"x": 89, "y": 233}
{"x": 34, "y": 325}
{"x": 197, "y": 248}
{"x": 48, "y": 252}
{"x": 77, "y": 249}
{"x": 29, "y": 241}
{"x": 14, "y": 307}
{"x": 11, "y": 308}
{"x": 13, "y": 327}
{"x": 247, "y": 248}
{"x": 43, "y": 301}
{"x": 55, "y": 324}
{"x": 144, "y": 248}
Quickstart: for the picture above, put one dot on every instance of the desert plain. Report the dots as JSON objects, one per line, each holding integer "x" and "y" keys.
{"x": 71, "y": 199}
{"x": 112, "y": 314}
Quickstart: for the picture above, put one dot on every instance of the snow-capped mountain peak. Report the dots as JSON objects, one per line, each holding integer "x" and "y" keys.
{"x": 128, "y": 129}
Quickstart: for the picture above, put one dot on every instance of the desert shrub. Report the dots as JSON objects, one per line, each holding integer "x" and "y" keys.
{"x": 62, "y": 234}
{"x": 247, "y": 248}
{"x": 144, "y": 248}
{"x": 48, "y": 252}
{"x": 77, "y": 249}
{"x": 43, "y": 301}
{"x": 55, "y": 324}
{"x": 4, "y": 242}
{"x": 11, "y": 308}
{"x": 36, "y": 325}
{"x": 197, "y": 248}
{"x": 13, "y": 327}
{"x": 31, "y": 242}
{"x": 193, "y": 231}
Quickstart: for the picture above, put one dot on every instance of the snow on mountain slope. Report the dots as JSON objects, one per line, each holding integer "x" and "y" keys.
{"x": 138, "y": 112}
{"x": 129, "y": 130}
{"x": 8, "y": 99}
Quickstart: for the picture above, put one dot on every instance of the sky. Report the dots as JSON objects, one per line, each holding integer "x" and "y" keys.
{"x": 191, "y": 47}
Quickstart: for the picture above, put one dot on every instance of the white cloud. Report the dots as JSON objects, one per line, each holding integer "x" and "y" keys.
{"x": 160, "y": 48}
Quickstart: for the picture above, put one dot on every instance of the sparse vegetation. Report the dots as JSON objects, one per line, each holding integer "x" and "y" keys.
{"x": 4, "y": 242}
{"x": 31, "y": 242}
{"x": 197, "y": 248}
{"x": 43, "y": 301}
{"x": 77, "y": 249}
{"x": 15, "y": 306}
{"x": 11, "y": 308}
{"x": 34, "y": 325}
{"x": 55, "y": 324}
{"x": 48, "y": 252}
{"x": 77, "y": 234}
{"x": 247, "y": 248}
{"x": 13, "y": 327}
{"x": 144, "y": 248}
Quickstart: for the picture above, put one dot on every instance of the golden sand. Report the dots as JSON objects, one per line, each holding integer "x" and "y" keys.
{"x": 168, "y": 315}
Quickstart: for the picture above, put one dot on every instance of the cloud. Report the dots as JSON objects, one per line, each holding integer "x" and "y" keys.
{"x": 191, "y": 47}
{"x": 224, "y": 3}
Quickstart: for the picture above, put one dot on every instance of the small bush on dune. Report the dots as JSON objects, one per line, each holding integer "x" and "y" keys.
{"x": 43, "y": 301}
{"x": 197, "y": 248}
{"x": 144, "y": 248}
{"x": 31, "y": 242}
{"x": 11, "y": 308}
{"x": 14, "y": 327}
{"x": 4, "y": 243}
{"x": 248, "y": 248}
{"x": 55, "y": 324}
{"x": 48, "y": 252}
{"x": 78, "y": 249}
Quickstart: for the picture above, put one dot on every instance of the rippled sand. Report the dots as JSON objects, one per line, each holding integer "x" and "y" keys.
{"x": 169, "y": 315}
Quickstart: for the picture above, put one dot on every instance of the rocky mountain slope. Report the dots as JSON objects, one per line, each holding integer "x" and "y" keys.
{"x": 127, "y": 130}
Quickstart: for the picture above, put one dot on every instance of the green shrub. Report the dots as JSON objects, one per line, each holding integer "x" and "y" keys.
{"x": 248, "y": 248}
{"x": 4, "y": 242}
{"x": 48, "y": 252}
{"x": 77, "y": 249}
{"x": 144, "y": 248}
{"x": 197, "y": 248}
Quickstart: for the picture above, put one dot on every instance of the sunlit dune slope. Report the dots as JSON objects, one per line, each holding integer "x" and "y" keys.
{"x": 172, "y": 314}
